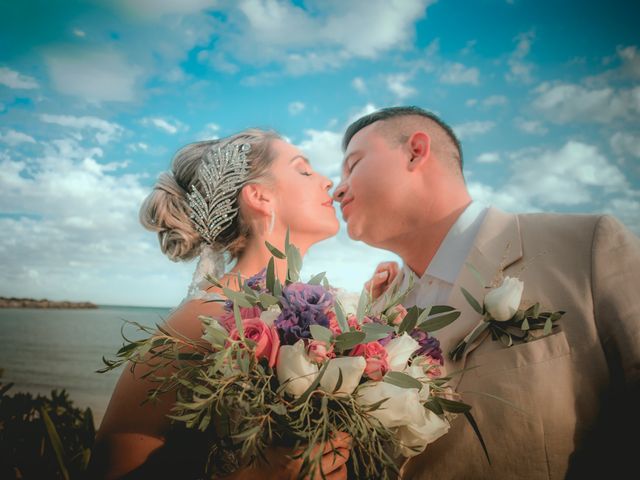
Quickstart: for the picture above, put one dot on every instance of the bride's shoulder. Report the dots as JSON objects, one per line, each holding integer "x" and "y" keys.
{"x": 186, "y": 318}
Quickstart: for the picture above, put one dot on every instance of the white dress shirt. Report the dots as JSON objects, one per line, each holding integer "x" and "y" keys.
{"x": 434, "y": 287}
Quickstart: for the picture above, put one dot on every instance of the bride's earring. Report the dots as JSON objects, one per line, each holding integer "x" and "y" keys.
{"x": 272, "y": 222}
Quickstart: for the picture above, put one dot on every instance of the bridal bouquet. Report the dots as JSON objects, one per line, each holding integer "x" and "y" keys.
{"x": 289, "y": 365}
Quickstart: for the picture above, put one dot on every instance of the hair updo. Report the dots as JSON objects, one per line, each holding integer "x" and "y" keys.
{"x": 166, "y": 210}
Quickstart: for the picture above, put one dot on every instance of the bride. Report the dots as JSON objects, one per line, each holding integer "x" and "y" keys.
{"x": 221, "y": 200}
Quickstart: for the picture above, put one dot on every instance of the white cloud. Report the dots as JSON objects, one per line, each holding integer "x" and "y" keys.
{"x": 324, "y": 151}
{"x": 471, "y": 129}
{"x": 366, "y": 110}
{"x": 457, "y": 73}
{"x": 94, "y": 76}
{"x": 260, "y": 32}
{"x": 574, "y": 175}
{"x": 12, "y": 79}
{"x": 488, "y": 157}
{"x": 296, "y": 107}
{"x": 519, "y": 69}
{"x": 469, "y": 46}
{"x": 494, "y": 100}
{"x": 209, "y": 132}
{"x": 171, "y": 127}
{"x": 531, "y": 126}
{"x": 105, "y": 131}
{"x": 138, "y": 147}
{"x": 79, "y": 33}
{"x": 13, "y": 138}
{"x": 471, "y": 102}
{"x": 566, "y": 102}
{"x": 397, "y": 84}
{"x": 359, "y": 84}
{"x": 626, "y": 144}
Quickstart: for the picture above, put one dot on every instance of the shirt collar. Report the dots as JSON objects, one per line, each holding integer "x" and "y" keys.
{"x": 450, "y": 257}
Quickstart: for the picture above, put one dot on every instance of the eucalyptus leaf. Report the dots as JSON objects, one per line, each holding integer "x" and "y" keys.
{"x": 348, "y": 340}
{"x": 472, "y": 301}
{"x": 476, "y": 274}
{"x": 321, "y": 334}
{"x": 437, "y": 322}
{"x": 548, "y": 326}
{"x": 409, "y": 321}
{"x": 453, "y": 406}
{"x": 376, "y": 331}
{"x": 271, "y": 276}
{"x": 267, "y": 300}
{"x": 237, "y": 298}
{"x": 56, "y": 443}
{"x": 340, "y": 316}
{"x": 317, "y": 279}
{"x": 238, "y": 320}
{"x": 274, "y": 251}
{"x": 402, "y": 380}
{"x": 363, "y": 301}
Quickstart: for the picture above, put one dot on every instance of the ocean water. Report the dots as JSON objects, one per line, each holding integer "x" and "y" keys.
{"x": 46, "y": 349}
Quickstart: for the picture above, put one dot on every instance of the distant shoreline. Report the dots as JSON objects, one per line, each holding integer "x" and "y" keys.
{"x": 13, "y": 302}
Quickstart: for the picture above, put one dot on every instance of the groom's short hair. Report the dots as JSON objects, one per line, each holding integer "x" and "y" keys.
{"x": 396, "y": 113}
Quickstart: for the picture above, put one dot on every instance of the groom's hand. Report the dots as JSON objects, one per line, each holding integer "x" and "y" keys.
{"x": 385, "y": 273}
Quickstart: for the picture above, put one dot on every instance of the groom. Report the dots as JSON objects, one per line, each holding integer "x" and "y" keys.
{"x": 568, "y": 399}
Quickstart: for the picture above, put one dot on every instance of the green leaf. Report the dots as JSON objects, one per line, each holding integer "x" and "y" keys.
{"x": 267, "y": 300}
{"x": 525, "y": 325}
{"x": 348, "y": 340}
{"x": 548, "y": 326}
{"x": 294, "y": 263}
{"x": 434, "y": 405}
{"x": 472, "y": 301}
{"x": 437, "y": 322}
{"x": 409, "y": 321}
{"x": 479, "y": 329}
{"x": 56, "y": 443}
{"x": 271, "y": 275}
{"x": 340, "y": 316}
{"x": 247, "y": 433}
{"x": 474, "y": 425}
{"x": 274, "y": 251}
{"x": 237, "y": 298}
{"x": 362, "y": 305}
{"x": 453, "y": 406}
{"x": 322, "y": 334}
{"x": 277, "y": 288}
{"x": 238, "y": 319}
{"x": 436, "y": 309}
{"x": 317, "y": 279}
{"x": 376, "y": 331}
{"x": 402, "y": 380}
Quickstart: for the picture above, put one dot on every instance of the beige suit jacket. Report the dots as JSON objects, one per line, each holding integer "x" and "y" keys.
{"x": 575, "y": 389}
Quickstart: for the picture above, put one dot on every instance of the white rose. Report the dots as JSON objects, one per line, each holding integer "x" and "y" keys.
{"x": 270, "y": 314}
{"x": 421, "y": 433}
{"x": 352, "y": 369}
{"x": 399, "y": 350}
{"x": 502, "y": 302}
{"x": 294, "y": 365}
{"x": 393, "y": 412}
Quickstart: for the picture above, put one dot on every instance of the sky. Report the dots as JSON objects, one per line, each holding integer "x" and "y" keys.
{"x": 96, "y": 96}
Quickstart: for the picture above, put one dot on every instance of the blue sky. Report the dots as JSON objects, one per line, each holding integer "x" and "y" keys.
{"x": 96, "y": 96}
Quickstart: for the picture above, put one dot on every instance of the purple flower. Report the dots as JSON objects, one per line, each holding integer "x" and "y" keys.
{"x": 303, "y": 305}
{"x": 258, "y": 282}
{"x": 429, "y": 346}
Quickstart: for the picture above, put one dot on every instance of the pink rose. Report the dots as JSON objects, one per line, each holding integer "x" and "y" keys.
{"x": 266, "y": 338}
{"x": 401, "y": 313}
{"x": 318, "y": 352}
{"x": 433, "y": 367}
{"x": 333, "y": 323}
{"x": 376, "y": 358}
{"x": 228, "y": 321}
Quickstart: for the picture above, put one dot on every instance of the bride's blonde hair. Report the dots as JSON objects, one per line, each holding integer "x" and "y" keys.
{"x": 166, "y": 209}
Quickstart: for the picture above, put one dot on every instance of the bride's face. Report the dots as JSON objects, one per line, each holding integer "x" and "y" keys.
{"x": 303, "y": 202}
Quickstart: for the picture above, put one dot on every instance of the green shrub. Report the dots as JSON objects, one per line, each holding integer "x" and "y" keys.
{"x": 42, "y": 437}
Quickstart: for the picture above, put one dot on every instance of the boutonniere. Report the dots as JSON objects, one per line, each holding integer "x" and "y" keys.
{"x": 503, "y": 317}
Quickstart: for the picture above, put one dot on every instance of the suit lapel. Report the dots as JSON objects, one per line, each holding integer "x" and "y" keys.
{"x": 497, "y": 246}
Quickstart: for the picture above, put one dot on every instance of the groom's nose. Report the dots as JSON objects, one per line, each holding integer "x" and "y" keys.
{"x": 339, "y": 192}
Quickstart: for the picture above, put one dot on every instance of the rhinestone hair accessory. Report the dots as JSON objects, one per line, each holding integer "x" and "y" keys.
{"x": 223, "y": 172}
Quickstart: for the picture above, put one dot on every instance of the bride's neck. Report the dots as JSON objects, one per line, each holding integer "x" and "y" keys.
{"x": 256, "y": 256}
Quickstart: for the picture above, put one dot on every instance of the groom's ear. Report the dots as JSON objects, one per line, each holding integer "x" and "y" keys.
{"x": 257, "y": 198}
{"x": 419, "y": 145}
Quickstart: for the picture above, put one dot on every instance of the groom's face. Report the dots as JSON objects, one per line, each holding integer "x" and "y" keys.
{"x": 371, "y": 187}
